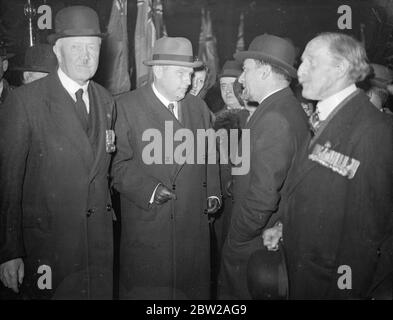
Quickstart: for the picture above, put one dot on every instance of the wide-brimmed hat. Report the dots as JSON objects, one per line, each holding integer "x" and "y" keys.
{"x": 380, "y": 76}
{"x": 76, "y": 21}
{"x": 39, "y": 58}
{"x": 175, "y": 51}
{"x": 277, "y": 51}
{"x": 231, "y": 68}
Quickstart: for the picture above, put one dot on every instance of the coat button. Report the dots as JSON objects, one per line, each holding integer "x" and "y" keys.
{"x": 89, "y": 212}
{"x": 108, "y": 207}
{"x": 378, "y": 252}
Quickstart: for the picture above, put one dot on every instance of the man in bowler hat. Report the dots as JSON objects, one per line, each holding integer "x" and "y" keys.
{"x": 278, "y": 128}
{"x": 39, "y": 62}
{"x": 338, "y": 222}
{"x": 56, "y": 141}
{"x": 164, "y": 251}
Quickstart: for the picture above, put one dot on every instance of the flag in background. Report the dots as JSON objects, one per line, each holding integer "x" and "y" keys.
{"x": 114, "y": 61}
{"x": 240, "y": 34}
{"x": 145, "y": 37}
{"x": 159, "y": 19}
{"x": 207, "y": 51}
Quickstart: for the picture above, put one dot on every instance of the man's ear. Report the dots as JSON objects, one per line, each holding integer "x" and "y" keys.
{"x": 56, "y": 50}
{"x": 265, "y": 71}
{"x": 5, "y": 65}
{"x": 343, "y": 67}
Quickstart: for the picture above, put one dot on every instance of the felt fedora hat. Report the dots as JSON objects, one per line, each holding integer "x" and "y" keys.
{"x": 39, "y": 58}
{"x": 267, "y": 276}
{"x": 175, "y": 51}
{"x": 231, "y": 68}
{"x": 76, "y": 21}
{"x": 277, "y": 51}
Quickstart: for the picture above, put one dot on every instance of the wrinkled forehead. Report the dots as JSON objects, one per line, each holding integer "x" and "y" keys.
{"x": 79, "y": 40}
{"x": 316, "y": 47}
{"x": 199, "y": 73}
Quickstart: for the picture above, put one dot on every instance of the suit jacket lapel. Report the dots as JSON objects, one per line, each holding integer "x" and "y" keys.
{"x": 158, "y": 114}
{"x": 62, "y": 109}
{"x": 101, "y": 107}
{"x": 332, "y": 133}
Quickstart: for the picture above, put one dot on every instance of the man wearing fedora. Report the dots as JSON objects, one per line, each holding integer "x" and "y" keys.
{"x": 39, "y": 62}
{"x": 278, "y": 128}
{"x": 5, "y": 88}
{"x": 338, "y": 222}
{"x": 56, "y": 216}
{"x": 164, "y": 251}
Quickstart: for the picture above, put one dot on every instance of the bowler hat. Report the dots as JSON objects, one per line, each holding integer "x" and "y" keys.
{"x": 175, "y": 51}
{"x": 4, "y": 54}
{"x": 39, "y": 58}
{"x": 231, "y": 68}
{"x": 267, "y": 275}
{"x": 76, "y": 21}
{"x": 381, "y": 76}
{"x": 277, "y": 51}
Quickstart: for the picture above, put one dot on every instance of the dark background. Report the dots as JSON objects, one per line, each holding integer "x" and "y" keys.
{"x": 299, "y": 20}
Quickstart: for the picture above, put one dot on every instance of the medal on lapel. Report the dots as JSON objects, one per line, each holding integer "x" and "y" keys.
{"x": 336, "y": 161}
{"x": 110, "y": 141}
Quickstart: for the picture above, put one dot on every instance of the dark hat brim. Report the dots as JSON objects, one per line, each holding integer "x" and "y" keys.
{"x": 8, "y": 56}
{"x": 243, "y": 55}
{"x": 52, "y": 38}
{"x": 33, "y": 69}
{"x": 194, "y": 64}
{"x": 229, "y": 73}
{"x": 379, "y": 83}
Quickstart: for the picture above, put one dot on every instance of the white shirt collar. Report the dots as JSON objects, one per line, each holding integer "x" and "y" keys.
{"x": 164, "y": 100}
{"x": 271, "y": 93}
{"x": 1, "y": 86}
{"x": 326, "y": 106}
{"x": 72, "y": 86}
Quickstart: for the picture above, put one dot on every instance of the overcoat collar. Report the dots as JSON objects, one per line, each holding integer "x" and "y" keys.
{"x": 266, "y": 105}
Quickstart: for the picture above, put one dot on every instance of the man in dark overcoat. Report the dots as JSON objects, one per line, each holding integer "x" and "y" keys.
{"x": 55, "y": 140}
{"x": 338, "y": 217}
{"x": 164, "y": 251}
{"x": 277, "y": 129}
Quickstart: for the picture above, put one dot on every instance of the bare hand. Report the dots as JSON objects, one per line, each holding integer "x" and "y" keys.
{"x": 12, "y": 273}
{"x": 163, "y": 194}
{"x": 272, "y": 236}
{"x": 213, "y": 204}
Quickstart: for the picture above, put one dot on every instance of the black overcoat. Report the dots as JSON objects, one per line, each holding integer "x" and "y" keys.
{"x": 164, "y": 250}
{"x": 331, "y": 220}
{"x": 278, "y": 128}
{"x": 54, "y": 195}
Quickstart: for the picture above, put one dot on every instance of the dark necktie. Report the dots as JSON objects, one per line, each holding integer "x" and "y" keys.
{"x": 171, "y": 108}
{"x": 81, "y": 109}
{"x": 315, "y": 122}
